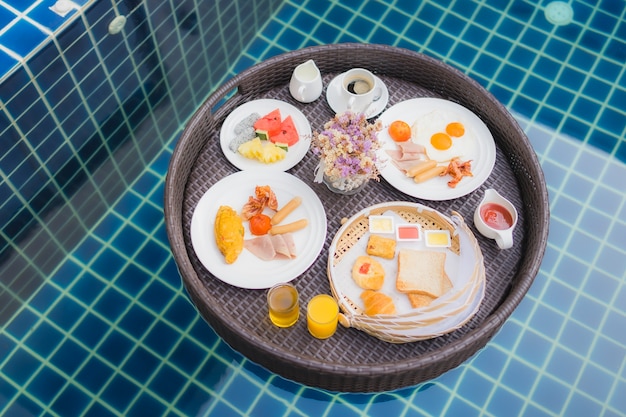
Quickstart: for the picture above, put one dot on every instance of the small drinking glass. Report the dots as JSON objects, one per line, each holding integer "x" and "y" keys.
{"x": 283, "y": 305}
{"x": 322, "y": 314}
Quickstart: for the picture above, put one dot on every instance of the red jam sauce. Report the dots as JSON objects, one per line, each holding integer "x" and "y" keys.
{"x": 496, "y": 216}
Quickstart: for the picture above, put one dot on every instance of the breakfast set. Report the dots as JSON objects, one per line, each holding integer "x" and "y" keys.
{"x": 457, "y": 258}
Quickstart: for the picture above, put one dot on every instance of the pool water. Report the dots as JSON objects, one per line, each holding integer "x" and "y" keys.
{"x": 112, "y": 333}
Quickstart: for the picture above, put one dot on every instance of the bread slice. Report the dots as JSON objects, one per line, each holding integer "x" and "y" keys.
{"x": 368, "y": 273}
{"x": 384, "y": 247}
{"x": 377, "y": 303}
{"x": 421, "y": 272}
{"x": 421, "y": 300}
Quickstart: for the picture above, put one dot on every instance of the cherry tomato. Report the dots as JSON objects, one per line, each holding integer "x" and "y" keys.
{"x": 260, "y": 224}
{"x": 400, "y": 131}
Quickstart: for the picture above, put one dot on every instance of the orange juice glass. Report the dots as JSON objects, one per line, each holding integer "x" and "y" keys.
{"x": 321, "y": 316}
{"x": 283, "y": 305}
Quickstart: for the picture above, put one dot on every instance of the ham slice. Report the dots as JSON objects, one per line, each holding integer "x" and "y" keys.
{"x": 407, "y": 155}
{"x": 270, "y": 247}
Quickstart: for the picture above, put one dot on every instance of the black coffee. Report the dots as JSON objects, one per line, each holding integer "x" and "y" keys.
{"x": 359, "y": 86}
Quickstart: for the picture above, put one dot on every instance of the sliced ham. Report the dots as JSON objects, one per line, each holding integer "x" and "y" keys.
{"x": 407, "y": 155}
{"x": 270, "y": 247}
{"x": 261, "y": 247}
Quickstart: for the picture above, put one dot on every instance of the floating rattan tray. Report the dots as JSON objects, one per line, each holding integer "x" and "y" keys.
{"x": 353, "y": 360}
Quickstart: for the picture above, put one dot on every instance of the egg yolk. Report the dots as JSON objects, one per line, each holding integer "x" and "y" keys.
{"x": 441, "y": 141}
{"x": 455, "y": 129}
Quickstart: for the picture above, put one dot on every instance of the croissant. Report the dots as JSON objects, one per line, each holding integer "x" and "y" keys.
{"x": 377, "y": 303}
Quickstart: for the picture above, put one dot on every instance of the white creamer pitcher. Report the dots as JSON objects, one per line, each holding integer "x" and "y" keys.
{"x": 306, "y": 82}
{"x": 495, "y": 218}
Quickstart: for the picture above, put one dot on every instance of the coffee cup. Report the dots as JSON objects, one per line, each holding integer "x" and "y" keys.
{"x": 360, "y": 88}
{"x": 495, "y": 218}
{"x": 306, "y": 82}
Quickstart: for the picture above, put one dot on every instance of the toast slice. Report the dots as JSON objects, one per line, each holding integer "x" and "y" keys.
{"x": 422, "y": 300}
{"x": 421, "y": 272}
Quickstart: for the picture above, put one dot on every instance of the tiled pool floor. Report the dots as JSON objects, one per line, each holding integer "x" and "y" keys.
{"x": 111, "y": 333}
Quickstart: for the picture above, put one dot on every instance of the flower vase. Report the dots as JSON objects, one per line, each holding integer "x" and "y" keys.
{"x": 346, "y": 185}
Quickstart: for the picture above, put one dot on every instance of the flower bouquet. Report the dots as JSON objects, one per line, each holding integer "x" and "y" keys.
{"x": 347, "y": 148}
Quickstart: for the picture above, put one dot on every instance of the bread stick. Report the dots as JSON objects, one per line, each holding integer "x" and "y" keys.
{"x": 284, "y": 211}
{"x": 428, "y": 174}
{"x": 420, "y": 167}
{"x": 289, "y": 227}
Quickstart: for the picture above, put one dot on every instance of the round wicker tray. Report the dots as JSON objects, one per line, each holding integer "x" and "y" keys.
{"x": 352, "y": 360}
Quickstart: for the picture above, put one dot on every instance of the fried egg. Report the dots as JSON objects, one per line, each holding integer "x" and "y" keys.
{"x": 444, "y": 136}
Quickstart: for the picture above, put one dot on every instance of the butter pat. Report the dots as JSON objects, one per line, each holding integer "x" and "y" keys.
{"x": 437, "y": 238}
{"x": 381, "y": 224}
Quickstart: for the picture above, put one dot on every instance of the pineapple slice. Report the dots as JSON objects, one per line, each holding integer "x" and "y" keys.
{"x": 263, "y": 151}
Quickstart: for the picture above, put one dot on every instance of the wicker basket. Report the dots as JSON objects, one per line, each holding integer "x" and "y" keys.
{"x": 352, "y": 360}
{"x": 446, "y": 313}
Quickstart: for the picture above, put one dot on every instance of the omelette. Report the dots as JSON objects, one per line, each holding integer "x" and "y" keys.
{"x": 229, "y": 233}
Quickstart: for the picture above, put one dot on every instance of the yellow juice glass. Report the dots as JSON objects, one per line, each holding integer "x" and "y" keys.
{"x": 322, "y": 313}
{"x": 283, "y": 305}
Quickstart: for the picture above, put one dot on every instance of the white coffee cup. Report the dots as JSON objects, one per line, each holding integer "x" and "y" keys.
{"x": 360, "y": 88}
{"x": 306, "y": 82}
{"x": 495, "y": 218}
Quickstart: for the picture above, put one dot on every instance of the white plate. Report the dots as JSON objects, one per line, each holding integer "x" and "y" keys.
{"x": 483, "y": 154}
{"x": 263, "y": 107}
{"x": 248, "y": 271}
{"x": 338, "y": 104}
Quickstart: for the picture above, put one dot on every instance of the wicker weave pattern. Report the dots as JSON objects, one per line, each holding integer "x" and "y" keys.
{"x": 352, "y": 360}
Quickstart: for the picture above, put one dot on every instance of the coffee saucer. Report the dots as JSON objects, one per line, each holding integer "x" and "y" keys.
{"x": 338, "y": 104}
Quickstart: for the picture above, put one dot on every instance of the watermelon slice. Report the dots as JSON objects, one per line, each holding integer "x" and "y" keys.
{"x": 288, "y": 133}
{"x": 269, "y": 124}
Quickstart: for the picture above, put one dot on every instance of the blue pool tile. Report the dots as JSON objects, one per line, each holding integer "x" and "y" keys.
{"x": 213, "y": 373}
{"x": 115, "y": 347}
{"x": 87, "y": 288}
{"x": 614, "y": 326}
{"x": 129, "y": 240}
{"x": 46, "y": 385}
{"x": 551, "y": 394}
{"x": 504, "y": 402}
{"x": 21, "y": 367}
{"x": 71, "y": 402}
{"x": 141, "y": 364}
{"x": 7, "y": 63}
{"x": 119, "y": 393}
{"x": 44, "y": 298}
{"x": 132, "y": 279}
{"x": 596, "y": 382}
{"x": 181, "y": 313}
{"x": 21, "y": 324}
{"x": 547, "y": 321}
{"x": 186, "y": 356}
{"x": 581, "y": 405}
{"x": 476, "y": 390}
{"x": 136, "y": 321}
{"x": 23, "y": 406}
{"x": 66, "y": 313}
{"x": 162, "y": 338}
{"x": 112, "y": 304}
{"x": 564, "y": 365}
{"x": 268, "y": 405}
{"x": 69, "y": 356}
{"x": 94, "y": 374}
{"x": 577, "y": 337}
{"x": 534, "y": 348}
{"x": 168, "y": 382}
{"x": 147, "y": 405}
{"x": 22, "y": 37}
{"x": 618, "y": 399}
{"x": 491, "y": 361}
{"x": 90, "y": 330}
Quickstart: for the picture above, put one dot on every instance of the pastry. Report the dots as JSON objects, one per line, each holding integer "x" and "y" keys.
{"x": 368, "y": 273}
{"x": 384, "y": 247}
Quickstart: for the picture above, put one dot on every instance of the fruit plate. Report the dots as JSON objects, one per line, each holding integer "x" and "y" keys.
{"x": 433, "y": 114}
{"x": 248, "y": 271}
{"x": 263, "y": 107}
{"x": 464, "y": 266}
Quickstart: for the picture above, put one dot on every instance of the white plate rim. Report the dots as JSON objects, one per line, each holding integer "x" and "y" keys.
{"x": 309, "y": 241}
{"x": 436, "y": 189}
{"x": 262, "y": 107}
